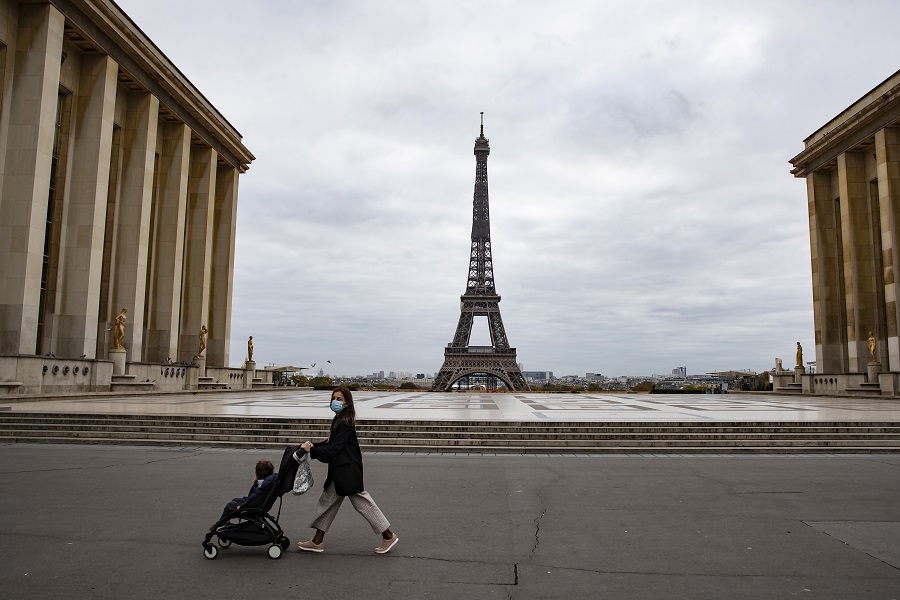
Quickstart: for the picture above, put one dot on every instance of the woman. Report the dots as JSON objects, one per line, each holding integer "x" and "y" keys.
{"x": 345, "y": 477}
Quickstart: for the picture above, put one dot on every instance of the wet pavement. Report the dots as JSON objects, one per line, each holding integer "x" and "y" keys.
{"x": 430, "y": 406}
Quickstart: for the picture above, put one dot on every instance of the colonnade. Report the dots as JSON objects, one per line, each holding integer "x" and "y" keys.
{"x": 118, "y": 189}
{"x": 854, "y": 213}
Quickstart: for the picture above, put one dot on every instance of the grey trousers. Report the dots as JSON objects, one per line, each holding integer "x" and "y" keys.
{"x": 330, "y": 503}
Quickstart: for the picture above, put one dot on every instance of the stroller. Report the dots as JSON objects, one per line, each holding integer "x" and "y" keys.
{"x": 251, "y": 524}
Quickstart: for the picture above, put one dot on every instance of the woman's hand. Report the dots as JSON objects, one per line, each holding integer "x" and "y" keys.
{"x": 306, "y": 446}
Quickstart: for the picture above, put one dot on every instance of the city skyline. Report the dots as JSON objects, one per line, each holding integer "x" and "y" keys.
{"x": 399, "y": 375}
{"x": 643, "y": 211}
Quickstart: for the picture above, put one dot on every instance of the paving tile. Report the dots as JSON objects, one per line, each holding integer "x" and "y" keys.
{"x": 593, "y": 408}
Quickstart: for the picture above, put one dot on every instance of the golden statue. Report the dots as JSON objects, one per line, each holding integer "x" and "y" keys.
{"x": 799, "y": 355}
{"x": 250, "y": 349}
{"x": 119, "y": 330}
{"x": 203, "y": 332}
{"x": 872, "y": 360}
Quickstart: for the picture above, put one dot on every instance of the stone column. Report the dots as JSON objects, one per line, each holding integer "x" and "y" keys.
{"x": 7, "y": 64}
{"x": 225, "y": 217}
{"x": 198, "y": 249}
{"x": 81, "y": 262}
{"x": 26, "y": 180}
{"x": 161, "y": 336}
{"x": 133, "y": 228}
{"x": 887, "y": 157}
{"x": 859, "y": 275}
{"x": 826, "y": 256}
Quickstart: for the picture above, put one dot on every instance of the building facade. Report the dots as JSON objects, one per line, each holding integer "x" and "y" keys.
{"x": 852, "y": 171}
{"x": 118, "y": 189}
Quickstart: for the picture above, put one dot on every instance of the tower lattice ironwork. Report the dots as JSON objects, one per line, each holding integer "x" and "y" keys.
{"x": 480, "y": 300}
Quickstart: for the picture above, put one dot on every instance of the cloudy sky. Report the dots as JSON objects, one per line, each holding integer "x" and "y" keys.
{"x": 643, "y": 214}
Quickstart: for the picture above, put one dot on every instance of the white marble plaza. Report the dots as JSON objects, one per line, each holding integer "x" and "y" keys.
{"x": 488, "y": 407}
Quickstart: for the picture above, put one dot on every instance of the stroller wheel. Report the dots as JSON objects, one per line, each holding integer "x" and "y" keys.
{"x": 284, "y": 543}
{"x": 274, "y": 551}
{"x": 210, "y": 552}
{"x": 223, "y": 543}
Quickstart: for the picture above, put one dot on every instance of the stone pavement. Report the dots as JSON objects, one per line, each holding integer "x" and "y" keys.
{"x": 288, "y": 402}
{"x": 127, "y": 522}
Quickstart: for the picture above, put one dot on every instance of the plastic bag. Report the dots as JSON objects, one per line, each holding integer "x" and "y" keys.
{"x": 303, "y": 482}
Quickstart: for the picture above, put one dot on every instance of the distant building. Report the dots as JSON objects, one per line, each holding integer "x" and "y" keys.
{"x": 852, "y": 170}
{"x": 118, "y": 189}
{"x": 538, "y": 376}
{"x": 680, "y": 372}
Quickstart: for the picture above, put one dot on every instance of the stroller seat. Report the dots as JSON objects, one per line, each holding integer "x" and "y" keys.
{"x": 252, "y": 524}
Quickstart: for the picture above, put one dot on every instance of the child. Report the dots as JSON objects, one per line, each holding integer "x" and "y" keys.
{"x": 265, "y": 477}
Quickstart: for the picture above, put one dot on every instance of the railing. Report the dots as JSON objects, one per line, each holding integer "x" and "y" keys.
{"x": 478, "y": 350}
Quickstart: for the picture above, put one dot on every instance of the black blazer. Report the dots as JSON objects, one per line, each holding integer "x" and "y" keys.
{"x": 344, "y": 458}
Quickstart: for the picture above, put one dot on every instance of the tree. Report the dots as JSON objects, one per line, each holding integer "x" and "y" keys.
{"x": 321, "y": 383}
{"x": 408, "y": 385}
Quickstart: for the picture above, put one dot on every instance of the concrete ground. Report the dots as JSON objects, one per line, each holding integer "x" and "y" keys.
{"x": 127, "y": 522}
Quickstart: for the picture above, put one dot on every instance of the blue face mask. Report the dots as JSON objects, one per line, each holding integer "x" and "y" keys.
{"x": 336, "y": 405}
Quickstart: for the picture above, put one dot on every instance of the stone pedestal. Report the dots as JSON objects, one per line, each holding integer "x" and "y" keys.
{"x": 798, "y": 373}
{"x": 117, "y": 355}
{"x": 874, "y": 368}
{"x": 249, "y": 373}
{"x": 201, "y": 360}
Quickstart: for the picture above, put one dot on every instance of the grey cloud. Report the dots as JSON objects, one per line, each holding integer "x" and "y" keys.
{"x": 643, "y": 212}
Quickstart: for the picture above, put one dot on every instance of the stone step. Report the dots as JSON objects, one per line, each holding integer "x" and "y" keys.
{"x": 204, "y": 439}
{"x": 293, "y": 429}
{"x": 319, "y": 432}
{"x": 316, "y": 434}
{"x": 125, "y": 381}
{"x": 131, "y": 386}
{"x": 406, "y": 448}
{"x": 457, "y": 436}
{"x": 449, "y": 426}
{"x": 437, "y": 428}
{"x": 217, "y": 438}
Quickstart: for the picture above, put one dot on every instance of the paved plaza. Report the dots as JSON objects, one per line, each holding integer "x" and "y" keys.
{"x": 430, "y": 406}
{"x": 128, "y": 521}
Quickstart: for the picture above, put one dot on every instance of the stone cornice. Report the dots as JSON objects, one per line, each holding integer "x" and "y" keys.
{"x": 859, "y": 122}
{"x": 112, "y": 31}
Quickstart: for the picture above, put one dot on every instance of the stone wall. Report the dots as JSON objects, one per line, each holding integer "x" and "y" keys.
{"x": 49, "y": 375}
{"x": 44, "y": 375}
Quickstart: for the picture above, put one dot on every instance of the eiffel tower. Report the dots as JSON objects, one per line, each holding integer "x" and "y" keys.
{"x": 480, "y": 300}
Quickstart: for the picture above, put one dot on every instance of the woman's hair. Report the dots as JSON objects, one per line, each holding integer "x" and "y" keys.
{"x": 264, "y": 468}
{"x": 348, "y": 415}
